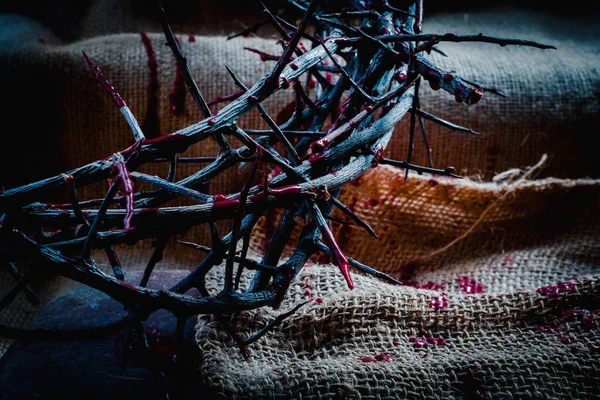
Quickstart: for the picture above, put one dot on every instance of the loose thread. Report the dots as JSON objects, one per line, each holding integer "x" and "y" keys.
{"x": 529, "y": 173}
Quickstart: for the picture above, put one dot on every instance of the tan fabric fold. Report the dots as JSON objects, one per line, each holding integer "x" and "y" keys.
{"x": 510, "y": 311}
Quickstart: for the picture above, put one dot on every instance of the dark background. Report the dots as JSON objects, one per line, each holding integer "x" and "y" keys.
{"x": 62, "y": 16}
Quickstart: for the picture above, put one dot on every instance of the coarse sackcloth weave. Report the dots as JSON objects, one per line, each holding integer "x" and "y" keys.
{"x": 509, "y": 310}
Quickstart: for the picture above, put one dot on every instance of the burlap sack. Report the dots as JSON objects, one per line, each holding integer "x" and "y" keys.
{"x": 509, "y": 341}
{"x": 552, "y": 103}
{"x": 508, "y": 311}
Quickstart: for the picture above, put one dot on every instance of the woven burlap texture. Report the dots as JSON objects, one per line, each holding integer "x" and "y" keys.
{"x": 510, "y": 311}
{"x": 552, "y": 94}
{"x": 499, "y": 343}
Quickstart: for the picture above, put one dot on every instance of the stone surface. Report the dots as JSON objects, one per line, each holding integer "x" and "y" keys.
{"x": 91, "y": 369}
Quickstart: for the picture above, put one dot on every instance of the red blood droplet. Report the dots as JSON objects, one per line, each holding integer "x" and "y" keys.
{"x": 433, "y": 77}
{"x": 151, "y": 126}
{"x": 439, "y": 302}
{"x": 384, "y": 357}
{"x": 378, "y": 357}
{"x": 450, "y": 169}
{"x": 555, "y": 290}
{"x": 219, "y": 197}
{"x": 316, "y": 157}
{"x": 565, "y": 339}
{"x": 285, "y": 83}
{"x": 372, "y": 203}
{"x": 177, "y": 95}
{"x": 426, "y": 341}
{"x": 400, "y": 76}
{"x": 470, "y": 286}
{"x": 458, "y": 93}
{"x": 319, "y": 145}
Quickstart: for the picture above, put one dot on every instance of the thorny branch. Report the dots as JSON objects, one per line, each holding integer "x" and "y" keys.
{"x": 343, "y": 131}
